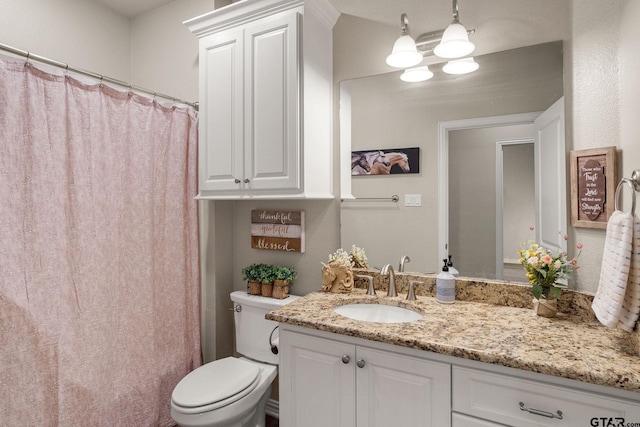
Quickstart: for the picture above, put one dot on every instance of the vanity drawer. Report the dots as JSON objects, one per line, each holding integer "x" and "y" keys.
{"x": 460, "y": 420}
{"x": 523, "y": 402}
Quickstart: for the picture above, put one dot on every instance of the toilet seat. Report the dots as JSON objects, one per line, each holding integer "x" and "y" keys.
{"x": 216, "y": 384}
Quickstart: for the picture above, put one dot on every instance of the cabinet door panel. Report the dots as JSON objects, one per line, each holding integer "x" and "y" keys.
{"x": 221, "y": 129}
{"x": 271, "y": 96}
{"x": 397, "y": 390}
{"x": 317, "y": 389}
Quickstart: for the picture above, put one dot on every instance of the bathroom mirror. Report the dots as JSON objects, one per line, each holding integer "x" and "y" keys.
{"x": 382, "y": 111}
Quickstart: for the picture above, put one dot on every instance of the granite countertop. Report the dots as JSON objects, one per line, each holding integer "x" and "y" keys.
{"x": 566, "y": 346}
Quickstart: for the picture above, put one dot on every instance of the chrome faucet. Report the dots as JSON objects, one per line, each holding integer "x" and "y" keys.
{"x": 388, "y": 270}
{"x": 404, "y": 259}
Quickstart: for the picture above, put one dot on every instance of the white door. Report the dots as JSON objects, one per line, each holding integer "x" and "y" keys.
{"x": 317, "y": 382}
{"x": 551, "y": 196}
{"x": 272, "y": 153}
{"x": 221, "y": 122}
{"x": 401, "y": 391}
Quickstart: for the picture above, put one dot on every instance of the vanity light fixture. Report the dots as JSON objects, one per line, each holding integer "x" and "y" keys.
{"x": 417, "y": 74}
{"x": 452, "y": 43}
{"x": 461, "y": 66}
{"x": 404, "y": 53}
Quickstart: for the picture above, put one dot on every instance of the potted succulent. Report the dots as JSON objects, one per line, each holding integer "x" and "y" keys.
{"x": 267, "y": 277}
{"x": 284, "y": 277}
{"x": 252, "y": 274}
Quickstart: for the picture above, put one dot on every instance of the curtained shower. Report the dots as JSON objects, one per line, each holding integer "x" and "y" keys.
{"x": 99, "y": 274}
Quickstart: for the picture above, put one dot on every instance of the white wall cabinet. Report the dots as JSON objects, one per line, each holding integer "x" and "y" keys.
{"x": 265, "y": 88}
{"x": 329, "y": 383}
{"x": 335, "y": 380}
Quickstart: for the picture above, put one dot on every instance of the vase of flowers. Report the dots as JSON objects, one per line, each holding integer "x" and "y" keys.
{"x": 544, "y": 271}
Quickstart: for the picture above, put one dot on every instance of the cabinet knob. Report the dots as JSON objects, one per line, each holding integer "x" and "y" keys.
{"x": 360, "y": 363}
{"x": 237, "y": 181}
{"x": 246, "y": 180}
{"x": 345, "y": 359}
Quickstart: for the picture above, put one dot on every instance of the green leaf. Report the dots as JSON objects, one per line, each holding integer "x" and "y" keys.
{"x": 556, "y": 292}
{"x": 537, "y": 290}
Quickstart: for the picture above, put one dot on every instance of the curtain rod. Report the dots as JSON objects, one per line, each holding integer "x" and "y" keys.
{"x": 28, "y": 55}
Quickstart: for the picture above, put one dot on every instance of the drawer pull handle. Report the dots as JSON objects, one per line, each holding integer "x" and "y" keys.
{"x": 346, "y": 359}
{"x": 541, "y": 413}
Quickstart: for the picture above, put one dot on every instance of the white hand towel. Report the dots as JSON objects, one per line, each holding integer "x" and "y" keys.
{"x": 631, "y": 304}
{"x": 616, "y": 262}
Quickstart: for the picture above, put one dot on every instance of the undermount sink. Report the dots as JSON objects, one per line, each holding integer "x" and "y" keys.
{"x": 378, "y": 313}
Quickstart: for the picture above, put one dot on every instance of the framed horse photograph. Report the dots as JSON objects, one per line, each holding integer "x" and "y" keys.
{"x": 388, "y": 161}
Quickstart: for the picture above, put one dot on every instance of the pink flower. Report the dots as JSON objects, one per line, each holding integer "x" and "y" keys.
{"x": 574, "y": 261}
{"x": 531, "y": 227}
{"x": 565, "y": 237}
{"x": 579, "y": 246}
{"x": 547, "y": 259}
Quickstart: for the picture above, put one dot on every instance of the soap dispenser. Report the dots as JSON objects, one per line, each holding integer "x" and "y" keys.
{"x": 454, "y": 272}
{"x": 445, "y": 286}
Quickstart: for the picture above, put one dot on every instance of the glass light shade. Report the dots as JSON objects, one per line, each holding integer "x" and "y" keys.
{"x": 418, "y": 74}
{"x": 461, "y": 66}
{"x": 455, "y": 42}
{"x": 404, "y": 54}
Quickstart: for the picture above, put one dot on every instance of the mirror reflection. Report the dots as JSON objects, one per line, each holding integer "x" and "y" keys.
{"x": 468, "y": 222}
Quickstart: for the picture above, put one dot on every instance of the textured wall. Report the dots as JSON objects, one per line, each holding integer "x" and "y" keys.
{"x": 84, "y": 34}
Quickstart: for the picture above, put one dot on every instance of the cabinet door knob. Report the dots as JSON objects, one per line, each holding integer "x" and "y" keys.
{"x": 237, "y": 181}
{"x": 246, "y": 180}
{"x": 360, "y": 363}
{"x": 346, "y": 359}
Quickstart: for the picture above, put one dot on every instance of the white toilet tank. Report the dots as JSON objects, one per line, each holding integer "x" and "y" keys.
{"x": 253, "y": 331}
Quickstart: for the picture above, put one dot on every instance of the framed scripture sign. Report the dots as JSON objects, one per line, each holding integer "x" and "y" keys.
{"x": 593, "y": 186}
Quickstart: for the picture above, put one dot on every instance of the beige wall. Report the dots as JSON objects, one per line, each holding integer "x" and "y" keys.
{"x": 83, "y": 34}
{"x": 605, "y": 101}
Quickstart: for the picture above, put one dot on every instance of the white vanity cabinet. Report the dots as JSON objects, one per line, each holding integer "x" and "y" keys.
{"x": 325, "y": 382}
{"x": 265, "y": 100}
{"x": 329, "y": 379}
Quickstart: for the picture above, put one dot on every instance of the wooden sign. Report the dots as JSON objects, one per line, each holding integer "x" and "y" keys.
{"x": 277, "y": 230}
{"x": 593, "y": 177}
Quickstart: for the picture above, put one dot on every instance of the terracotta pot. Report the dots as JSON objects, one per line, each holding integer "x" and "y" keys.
{"x": 545, "y": 307}
{"x": 266, "y": 289}
{"x": 254, "y": 288}
{"x": 280, "y": 289}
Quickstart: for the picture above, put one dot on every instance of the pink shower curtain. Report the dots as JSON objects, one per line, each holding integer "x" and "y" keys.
{"x": 99, "y": 275}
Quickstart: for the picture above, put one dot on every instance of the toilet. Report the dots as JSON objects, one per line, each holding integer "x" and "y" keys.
{"x": 233, "y": 392}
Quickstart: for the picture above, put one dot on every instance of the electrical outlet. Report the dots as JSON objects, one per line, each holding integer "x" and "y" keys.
{"x": 413, "y": 200}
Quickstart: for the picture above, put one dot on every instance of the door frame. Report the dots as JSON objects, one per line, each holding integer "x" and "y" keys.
{"x": 500, "y": 144}
{"x": 443, "y": 163}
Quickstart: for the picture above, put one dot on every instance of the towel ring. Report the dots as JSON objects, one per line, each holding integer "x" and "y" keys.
{"x": 634, "y": 183}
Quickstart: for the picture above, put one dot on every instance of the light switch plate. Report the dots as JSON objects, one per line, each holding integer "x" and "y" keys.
{"x": 413, "y": 199}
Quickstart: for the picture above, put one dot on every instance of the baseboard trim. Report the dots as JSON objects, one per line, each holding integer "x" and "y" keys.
{"x": 272, "y": 408}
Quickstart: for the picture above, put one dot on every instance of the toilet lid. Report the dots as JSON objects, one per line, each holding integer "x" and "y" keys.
{"x": 215, "y": 381}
